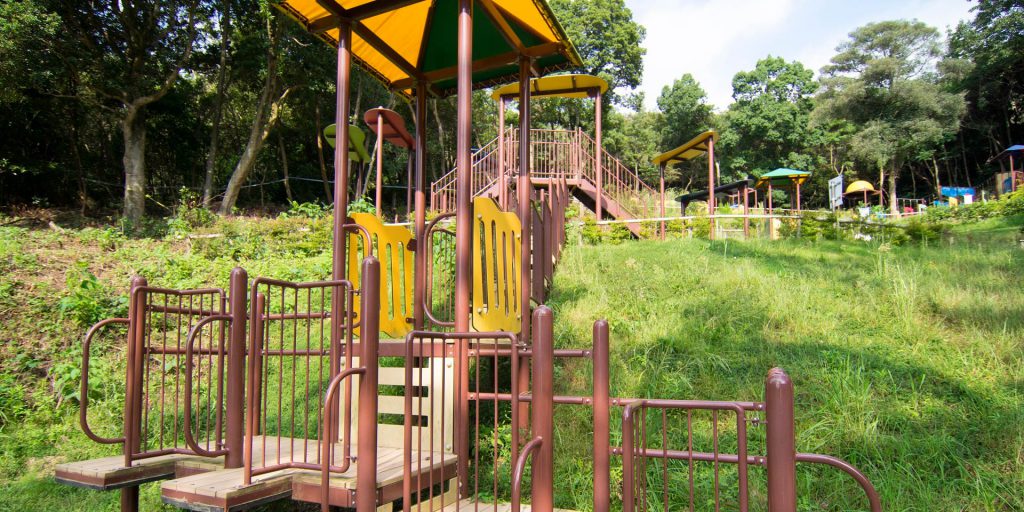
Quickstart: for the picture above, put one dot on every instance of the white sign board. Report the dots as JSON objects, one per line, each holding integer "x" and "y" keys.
{"x": 835, "y": 191}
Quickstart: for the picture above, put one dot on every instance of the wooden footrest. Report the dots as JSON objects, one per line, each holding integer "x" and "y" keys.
{"x": 471, "y": 505}
{"x": 110, "y": 472}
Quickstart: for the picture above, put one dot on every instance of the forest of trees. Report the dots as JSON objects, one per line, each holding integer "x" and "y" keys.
{"x": 127, "y": 106}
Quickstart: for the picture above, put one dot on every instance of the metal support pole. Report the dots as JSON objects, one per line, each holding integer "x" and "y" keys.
{"x": 409, "y": 186}
{"x": 235, "y": 393}
{"x": 341, "y": 167}
{"x": 502, "y": 179}
{"x": 542, "y": 497}
{"x": 597, "y": 151}
{"x": 602, "y": 442}
{"x": 711, "y": 188}
{"x": 746, "y": 212}
{"x": 798, "y": 196}
{"x": 525, "y": 210}
{"x": 780, "y": 442}
{"x": 380, "y": 162}
{"x": 420, "y": 255}
{"x": 662, "y": 196}
{"x": 463, "y": 202}
{"x": 369, "y": 334}
{"x": 463, "y": 232}
{"x": 133, "y": 386}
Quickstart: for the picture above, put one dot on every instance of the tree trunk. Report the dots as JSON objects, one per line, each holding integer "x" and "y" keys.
{"x": 267, "y": 112}
{"x": 938, "y": 184}
{"x": 893, "y": 207}
{"x": 218, "y": 104}
{"x": 134, "y": 131}
{"x": 284, "y": 167}
{"x": 320, "y": 156}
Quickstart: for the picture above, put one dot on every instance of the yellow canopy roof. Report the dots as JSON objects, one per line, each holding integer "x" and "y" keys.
{"x": 405, "y": 41}
{"x": 859, "y": 186}
{"x": 691, "y": 149}
{"x": 561, "y": 86}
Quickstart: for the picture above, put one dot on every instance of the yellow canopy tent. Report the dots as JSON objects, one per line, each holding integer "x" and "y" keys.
{"x": 402, "y": 41}
{"x": 560, "y": 86}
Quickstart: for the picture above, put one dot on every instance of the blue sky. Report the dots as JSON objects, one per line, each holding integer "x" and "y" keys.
{"x": 713, "y": 39}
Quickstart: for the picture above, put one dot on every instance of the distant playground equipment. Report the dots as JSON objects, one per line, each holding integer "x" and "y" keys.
{"x": 1009, "y": 178}
{"x": 862, "y": 188}
{"x": 275, "y": 390}
{"x": 700, "y": 145}
{"x": 781, "y": 178}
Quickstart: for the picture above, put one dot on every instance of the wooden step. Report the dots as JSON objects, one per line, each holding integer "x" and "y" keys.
{"x": 471, "y": 505}
{"x": 223, "y": 490}
{"x": 110, "y": 472}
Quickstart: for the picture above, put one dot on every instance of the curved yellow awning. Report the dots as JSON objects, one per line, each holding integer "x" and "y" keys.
{"x": 693, "y": 148}
{"x": 404, "y": 41}
{"x": 560, "y": 86}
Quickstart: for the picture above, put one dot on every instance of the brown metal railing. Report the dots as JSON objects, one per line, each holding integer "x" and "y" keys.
{"x": 292, "y": 360}
{"x": 158, "y": 408}
{"x": 554, "y": 154}
{"x": 439, "y": 298}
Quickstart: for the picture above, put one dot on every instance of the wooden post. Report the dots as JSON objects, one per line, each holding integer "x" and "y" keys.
{"x": 662, "y": 195}
{"x": 380, "y": 162}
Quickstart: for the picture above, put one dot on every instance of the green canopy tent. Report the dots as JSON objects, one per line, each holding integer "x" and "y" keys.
{"x": 783, "y": 177}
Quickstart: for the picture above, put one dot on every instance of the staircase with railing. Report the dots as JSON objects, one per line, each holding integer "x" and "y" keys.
{"x": 555, "y": 155}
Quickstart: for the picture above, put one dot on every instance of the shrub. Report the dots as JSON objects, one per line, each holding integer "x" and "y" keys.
{"x": 87, "y": 301}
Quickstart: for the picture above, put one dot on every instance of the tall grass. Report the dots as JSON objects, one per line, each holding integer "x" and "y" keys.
{"x": 907, "y": 361}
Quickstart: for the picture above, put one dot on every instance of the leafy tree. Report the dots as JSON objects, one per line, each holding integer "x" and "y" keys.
{"x": 686, "y": 111}
{"x": 885, "y": 80}
{"x": 767, "y": 125}
{"x": 993, "y": 43}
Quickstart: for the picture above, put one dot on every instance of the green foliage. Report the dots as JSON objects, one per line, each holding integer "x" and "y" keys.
{"x": 189, "y": 214}
{"x": 767, "y": 127}
{"x": 306, "y": 210}
{"x": 13, "y": 404}
{"x": 361, "y": 205}
{"x": 686, "y": 111}
{"x": 87, "y": 301}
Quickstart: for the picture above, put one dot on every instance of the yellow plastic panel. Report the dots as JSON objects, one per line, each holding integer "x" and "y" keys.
{"x": 391, "y": 246}
{"x": 496, "y": 267}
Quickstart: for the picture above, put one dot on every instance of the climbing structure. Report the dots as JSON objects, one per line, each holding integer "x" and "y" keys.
{"x": 273, "y": 390}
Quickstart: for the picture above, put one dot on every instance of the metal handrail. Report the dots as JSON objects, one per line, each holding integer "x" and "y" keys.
{"x": 83, "y": 400}
{"x": 528, "y": 453}
{"x": 326, "y": 446}
{"x": 828, "y": 460}
{"x": 427, "y": 308}
{"x": 190, "y": 339}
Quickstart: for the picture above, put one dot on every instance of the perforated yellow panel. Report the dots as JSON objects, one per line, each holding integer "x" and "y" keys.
{"x": 496, "y": 267}
{"x": 391, "y": 246}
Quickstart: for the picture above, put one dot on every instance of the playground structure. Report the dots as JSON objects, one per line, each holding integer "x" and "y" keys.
{"x": 1009, "y": 179}
{"x": 274, "y": 390}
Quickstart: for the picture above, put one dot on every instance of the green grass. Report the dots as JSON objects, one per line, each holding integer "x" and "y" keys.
{"x": 907, "y": 361}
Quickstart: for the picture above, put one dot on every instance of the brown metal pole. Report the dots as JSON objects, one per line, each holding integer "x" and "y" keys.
{"x": 463, "y": 208}
{"x": 341, "y": 167}
{"x": 780, "y": 442}
{"x": 463, "y": 234}
{"x": 133, "y": 387}
{"x": 420, "y": 255}
{"x": 366, "y": 467}
{"x": 235, "y": 428}
{"x": 662, "y": 168}
{"x": 380, "y": 162}
{"x": 798, "y": 196}
{"x": 523, "y": 189}
{"x": 502, "y": 183}
{"x": 746, "y": 212}
{"x": 711, "y": 188}
{"x": 602, "y": 443}
{"x": 597, "y": 150}
{"x": 409, "y": 186}
{"x": 542, "y": 497}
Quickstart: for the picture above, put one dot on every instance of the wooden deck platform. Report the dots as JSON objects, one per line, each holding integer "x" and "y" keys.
{"x": 109, "y": 473}
{"x": 223, "y": 490}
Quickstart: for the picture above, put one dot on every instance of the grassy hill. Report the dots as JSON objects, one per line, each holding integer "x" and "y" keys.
{"x": 907, "y": 360}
